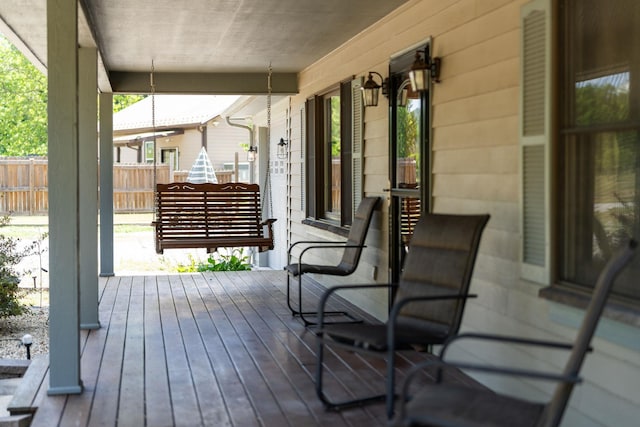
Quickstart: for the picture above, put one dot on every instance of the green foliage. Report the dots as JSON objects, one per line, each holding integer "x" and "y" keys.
{"x": 10, "y": 292}
{"x": 335, "y": 127}
{"x": 120, "y": 102}
{"x": 601, "y": 103}
{"x": 23, "y": 104}
{"x": 407, "y": 132}
{"x": 234, "y": 261}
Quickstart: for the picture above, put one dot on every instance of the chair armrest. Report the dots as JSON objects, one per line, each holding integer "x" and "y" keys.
{"x": 314, "y": 242}
{"x": 327, "y": 294}
{"x": 326, "y": 246}
{"x": 507, "y": 339}
{"x": 267, "y": 223}
{"x": 440, "y": 364}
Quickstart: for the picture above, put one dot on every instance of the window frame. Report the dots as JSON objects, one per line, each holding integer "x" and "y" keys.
{"x": 549, "y": 139}
{"x": 317, "y": 160}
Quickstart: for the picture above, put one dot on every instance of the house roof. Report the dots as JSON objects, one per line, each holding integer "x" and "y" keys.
{"x": 171, "y": 111}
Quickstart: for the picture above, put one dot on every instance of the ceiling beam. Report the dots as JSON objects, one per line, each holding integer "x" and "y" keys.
{"x": 205, "y": 83}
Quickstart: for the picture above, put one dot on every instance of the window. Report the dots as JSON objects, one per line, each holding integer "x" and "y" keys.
{"x": 148, "y": 151}
{"x": 332, "y": 149}
{"x": 243, "y": 170}
{"x": 170, "y": 157}
{"x": 333, "y": 164}
{"x": 581, "y": 177}
{"x": 597, "y": 155}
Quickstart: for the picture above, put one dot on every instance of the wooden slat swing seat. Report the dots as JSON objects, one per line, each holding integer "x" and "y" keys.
{"x": 210, "y": 216}
{"x": 207, "y": 215}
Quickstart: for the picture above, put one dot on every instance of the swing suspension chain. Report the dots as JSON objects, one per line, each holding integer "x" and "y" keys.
{"x": 267, "y": 189}
{"x": 153, "y": 125}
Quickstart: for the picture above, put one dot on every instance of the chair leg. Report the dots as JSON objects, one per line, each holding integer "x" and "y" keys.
{"x": 302, "y": 314}
{"x": 391, "y": 389}
{"x": 338, "y": 406}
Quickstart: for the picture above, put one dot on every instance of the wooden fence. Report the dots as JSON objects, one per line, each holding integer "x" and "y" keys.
{"x": 24, "y": 185}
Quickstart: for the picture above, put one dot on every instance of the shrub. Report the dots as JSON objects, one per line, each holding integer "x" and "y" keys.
{"x": 234, "y": 261}
{"x": 10, "y": 292}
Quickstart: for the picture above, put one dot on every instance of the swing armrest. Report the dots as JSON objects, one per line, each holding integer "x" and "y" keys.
{"x": 268, "y": 223}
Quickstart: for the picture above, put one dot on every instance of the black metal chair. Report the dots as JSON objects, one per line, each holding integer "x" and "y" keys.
{"x": 352, "y": 247}
{"x": 445, "y": 404}
{"x": 428, "y": 304}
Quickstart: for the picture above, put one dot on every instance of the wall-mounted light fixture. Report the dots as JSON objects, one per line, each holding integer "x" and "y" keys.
{"x": 371, "y": 89}
{"x": 424, "y": 68}
{"x": 252, "y": 152}
{"x": 282, "y": 148}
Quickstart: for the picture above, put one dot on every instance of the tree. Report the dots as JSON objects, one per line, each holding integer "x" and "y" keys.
{"x": 23, "y": 104}
{"x": 120, "y": 102}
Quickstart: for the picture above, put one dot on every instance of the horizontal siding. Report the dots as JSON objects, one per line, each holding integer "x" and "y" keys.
{"x": 476, "y": 169}
{"x": 485, "y": 160}
{"x": 481, "y": 133}
{"x": 482, "y": 187}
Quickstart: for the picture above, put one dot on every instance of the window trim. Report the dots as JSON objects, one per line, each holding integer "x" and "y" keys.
{"x": 315, "y": 168}
{"x": 618, "y": 308}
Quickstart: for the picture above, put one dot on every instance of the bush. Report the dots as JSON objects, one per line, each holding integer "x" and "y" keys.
{"x": 235, "y": 261}
{"x": 10, "y": 292}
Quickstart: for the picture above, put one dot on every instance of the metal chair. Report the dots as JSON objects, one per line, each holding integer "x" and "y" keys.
{"x": 428, "y": 304}
{"x": 442, "y": 404}
{"x": 352, "y": 247}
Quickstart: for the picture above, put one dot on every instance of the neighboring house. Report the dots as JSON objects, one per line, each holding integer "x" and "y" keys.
{"x": 183, "y": 124}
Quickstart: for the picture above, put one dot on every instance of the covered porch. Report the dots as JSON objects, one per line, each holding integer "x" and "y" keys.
{"x": 208, "y": 349}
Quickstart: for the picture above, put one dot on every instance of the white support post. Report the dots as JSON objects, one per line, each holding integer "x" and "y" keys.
{"x": 88, "y": 186}
{"x": 263, "y": 166}
{"x": 106, "y": 184}
{"x": 64, "y": 308}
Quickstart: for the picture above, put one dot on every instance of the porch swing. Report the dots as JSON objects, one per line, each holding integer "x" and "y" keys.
{"x": 210, "y": 216}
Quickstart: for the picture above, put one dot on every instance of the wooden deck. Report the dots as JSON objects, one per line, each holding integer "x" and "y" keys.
{"x": 212, "y": 349}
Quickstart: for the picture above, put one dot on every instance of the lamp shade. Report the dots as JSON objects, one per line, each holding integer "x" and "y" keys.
{"x": 251, "y": 153}
{"x": 282, "y": 149}
{"x": 370, "y": 91}
{"x": 419, "y": 74}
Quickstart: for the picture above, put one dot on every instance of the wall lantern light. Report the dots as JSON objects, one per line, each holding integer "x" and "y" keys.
{"x": 424, "y": 68}
{"x": 371, "y": 89}
{"x": 282, "y": 148}
{"x": 252, "y": 152}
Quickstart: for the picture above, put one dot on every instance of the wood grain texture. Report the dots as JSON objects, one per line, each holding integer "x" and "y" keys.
{"x": 210, "y": 349}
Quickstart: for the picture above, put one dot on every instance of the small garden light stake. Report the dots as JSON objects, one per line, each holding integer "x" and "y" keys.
{"x": 27, "y": 340}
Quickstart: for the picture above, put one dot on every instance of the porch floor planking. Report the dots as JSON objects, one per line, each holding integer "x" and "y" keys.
{"x": 272, "y": 399}
{"x": 217, "y": 349}
{"x": 351, "y": 375}
{"x": 270, "y": 330}
{"x": 344, "y": 382}
{"x": 359, "y": 375}
{"x": 292, "y": 354}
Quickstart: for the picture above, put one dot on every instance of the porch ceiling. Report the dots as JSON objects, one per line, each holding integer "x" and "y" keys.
{"x": 221, "y": 37}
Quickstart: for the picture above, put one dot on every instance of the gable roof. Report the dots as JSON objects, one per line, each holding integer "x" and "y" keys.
{"x": 171, "y": 111}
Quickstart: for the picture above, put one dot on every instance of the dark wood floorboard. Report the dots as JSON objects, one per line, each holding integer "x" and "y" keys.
{"x": 212, "y": 349}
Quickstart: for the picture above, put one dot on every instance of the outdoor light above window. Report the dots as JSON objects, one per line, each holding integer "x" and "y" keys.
{"x": 282, "y": 148}
{"x": 252, "y": 152}
{"x": 371, "y": 89}
{"x": 424, "y": 68}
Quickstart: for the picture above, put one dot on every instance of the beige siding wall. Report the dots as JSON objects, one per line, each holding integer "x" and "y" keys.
{"x": 475, "y": 169}
{"x": 275, "y": 192}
